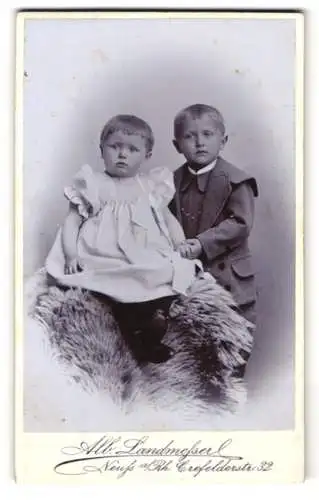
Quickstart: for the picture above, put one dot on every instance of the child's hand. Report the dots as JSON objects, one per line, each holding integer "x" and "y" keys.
{"x": 71, "y": 266}
{"x": 190, "y": 249}
{"x": 182, "y": 248}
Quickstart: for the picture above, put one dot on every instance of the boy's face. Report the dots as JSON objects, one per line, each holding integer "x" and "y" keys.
{"x": 123, "y": 154}
{"x": 201, "y": 140}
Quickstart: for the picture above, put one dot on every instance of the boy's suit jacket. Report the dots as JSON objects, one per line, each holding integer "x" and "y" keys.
{"x": 224, "y": 226}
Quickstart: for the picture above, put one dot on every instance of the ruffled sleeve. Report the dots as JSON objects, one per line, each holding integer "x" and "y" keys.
{"x": 83, "y": 192}
{"x": 161, "y": 187}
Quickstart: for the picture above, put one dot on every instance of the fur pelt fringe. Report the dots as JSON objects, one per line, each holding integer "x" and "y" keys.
{"x": 78, "y": 365}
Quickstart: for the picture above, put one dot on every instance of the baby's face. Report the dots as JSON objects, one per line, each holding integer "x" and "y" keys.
{"x": 201, "y": 140}
{"x": 123, "y": 154}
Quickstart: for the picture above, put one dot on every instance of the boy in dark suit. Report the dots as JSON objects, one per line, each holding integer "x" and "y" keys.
{"x": 214, "y": 203}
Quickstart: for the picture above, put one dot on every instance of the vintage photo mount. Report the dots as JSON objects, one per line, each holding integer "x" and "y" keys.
{"x": 271, "y": 456}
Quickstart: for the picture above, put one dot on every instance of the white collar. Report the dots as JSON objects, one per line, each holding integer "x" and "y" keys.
{"x": 203, "y": 170}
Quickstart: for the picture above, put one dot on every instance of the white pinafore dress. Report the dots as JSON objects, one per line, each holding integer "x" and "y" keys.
{"x": 123, "y": 246}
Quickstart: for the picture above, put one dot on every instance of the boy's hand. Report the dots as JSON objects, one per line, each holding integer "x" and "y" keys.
{"x": 71, "y": 266}
{"x": 190, "y": 249}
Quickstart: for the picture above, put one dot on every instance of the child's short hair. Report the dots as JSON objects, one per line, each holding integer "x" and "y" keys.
{"x": 197, "y": 111}
{"x": 129, "y": 124}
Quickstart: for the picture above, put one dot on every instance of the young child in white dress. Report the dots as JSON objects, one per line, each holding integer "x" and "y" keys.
{"x": 121, "y": 241}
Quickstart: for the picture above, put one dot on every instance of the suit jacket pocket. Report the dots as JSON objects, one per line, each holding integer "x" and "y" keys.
{"x": 243, "y": 285}
{"x": 242, "y": 267}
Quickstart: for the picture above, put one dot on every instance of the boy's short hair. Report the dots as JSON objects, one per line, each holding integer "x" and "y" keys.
{"x": 129, "y": 124}
{"x": 197, "y": 111}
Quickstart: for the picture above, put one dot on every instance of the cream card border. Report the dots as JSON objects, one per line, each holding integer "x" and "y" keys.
{"x": 37, "y": 454}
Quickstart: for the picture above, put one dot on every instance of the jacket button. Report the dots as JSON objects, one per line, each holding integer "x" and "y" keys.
{"x": 221, "y": 266}
{"x": 228, "y": 288}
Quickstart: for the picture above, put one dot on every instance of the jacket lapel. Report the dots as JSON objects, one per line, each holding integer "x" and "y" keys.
{"x": 178, "y": 177}
{"x": 217, "y": 192}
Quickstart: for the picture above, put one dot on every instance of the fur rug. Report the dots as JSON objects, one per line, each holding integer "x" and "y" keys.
{"x": 77, "y": 364}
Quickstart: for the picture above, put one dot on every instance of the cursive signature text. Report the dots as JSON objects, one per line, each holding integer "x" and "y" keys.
{"x": 123, "y": 456}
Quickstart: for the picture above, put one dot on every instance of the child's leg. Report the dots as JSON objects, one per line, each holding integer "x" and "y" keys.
{"x": 143, "y": 326}
{"x": 248, "y": 311}
{"x": 141, "y": 315}
{"x": 157, "y": 313}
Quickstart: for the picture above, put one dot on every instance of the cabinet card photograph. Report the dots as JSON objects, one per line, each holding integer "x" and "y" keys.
{"x": 159, "y": 285}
